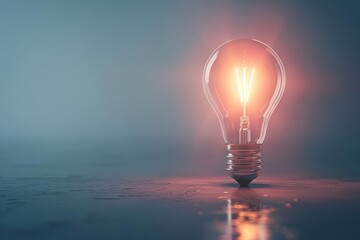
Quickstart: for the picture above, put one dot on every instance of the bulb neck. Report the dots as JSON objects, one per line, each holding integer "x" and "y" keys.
{"x": 244, "y": 162}
{"x": 244, "y": 131}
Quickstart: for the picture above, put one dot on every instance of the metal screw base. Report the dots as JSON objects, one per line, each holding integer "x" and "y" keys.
{"x": 244, "y": 162}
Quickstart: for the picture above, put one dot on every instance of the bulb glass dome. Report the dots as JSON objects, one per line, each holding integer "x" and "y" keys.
{"x": 244, "y": 81}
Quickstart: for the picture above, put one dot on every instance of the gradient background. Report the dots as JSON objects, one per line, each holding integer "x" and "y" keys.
{"x": 114, "y": 87}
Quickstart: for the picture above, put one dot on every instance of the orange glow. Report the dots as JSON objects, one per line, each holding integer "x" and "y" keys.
{"x": 244, "y": 88}
{"x": 250, "y": 223}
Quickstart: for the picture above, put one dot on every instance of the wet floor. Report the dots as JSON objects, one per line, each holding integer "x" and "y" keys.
{"x": 79, "y": 207}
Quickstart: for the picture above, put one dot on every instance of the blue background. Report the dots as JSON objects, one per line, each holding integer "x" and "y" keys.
{"x": 114, "y": 87}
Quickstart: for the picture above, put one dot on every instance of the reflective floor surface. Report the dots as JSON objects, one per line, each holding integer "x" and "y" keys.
{"x": 79, "y": 207}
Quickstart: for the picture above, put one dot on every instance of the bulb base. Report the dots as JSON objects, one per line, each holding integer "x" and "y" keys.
{"x": 244, "y": 162}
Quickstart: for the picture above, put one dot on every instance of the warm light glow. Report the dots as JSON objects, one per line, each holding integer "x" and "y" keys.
{"x": 250, "y": 223}
{"x": 243, "y": 87}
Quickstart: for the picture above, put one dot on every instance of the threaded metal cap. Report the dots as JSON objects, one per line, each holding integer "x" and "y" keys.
{"x": 244, "y": 162}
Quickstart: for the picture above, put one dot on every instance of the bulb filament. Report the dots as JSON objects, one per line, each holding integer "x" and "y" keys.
{"x": 244, "y": 87}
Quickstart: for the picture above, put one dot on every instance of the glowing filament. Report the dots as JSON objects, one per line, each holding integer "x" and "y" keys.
{"x": 243, "y": 87}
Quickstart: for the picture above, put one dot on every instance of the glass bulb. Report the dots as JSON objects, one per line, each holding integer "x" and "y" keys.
{"x": 244, "y": 80}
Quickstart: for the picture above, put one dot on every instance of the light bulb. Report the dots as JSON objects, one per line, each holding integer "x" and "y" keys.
{"x": 244, "y": 80}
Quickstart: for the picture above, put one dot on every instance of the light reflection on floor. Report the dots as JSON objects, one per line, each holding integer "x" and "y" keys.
{"x": 79, "y": 207}
{"x": 265, "y": 209}
{"x": 246, "y": 217}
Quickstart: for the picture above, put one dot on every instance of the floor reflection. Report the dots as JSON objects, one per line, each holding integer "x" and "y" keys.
{"x": 76, "y": 207}
{"x": 247, "y": 219}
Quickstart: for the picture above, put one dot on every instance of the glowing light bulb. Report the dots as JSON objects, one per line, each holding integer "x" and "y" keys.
{"x": 244, "y": 81}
